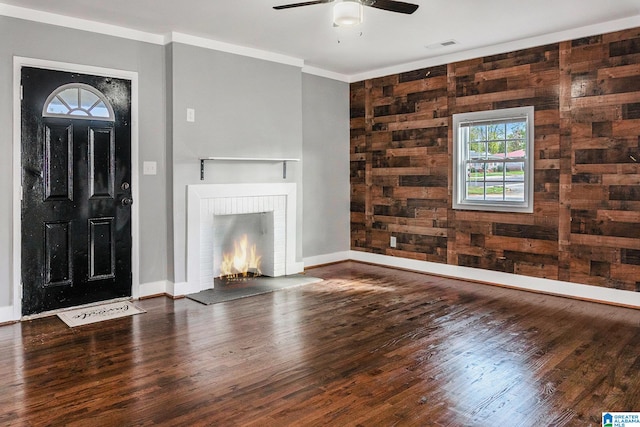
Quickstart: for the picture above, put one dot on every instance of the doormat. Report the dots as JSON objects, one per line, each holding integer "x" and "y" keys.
{"x": 255, "y": 286}
{"x": 98, "y": 313}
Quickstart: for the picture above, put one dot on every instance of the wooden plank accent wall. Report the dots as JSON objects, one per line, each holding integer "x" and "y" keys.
{"x": 604, "y": 119}
{"x": 586, "y": 222}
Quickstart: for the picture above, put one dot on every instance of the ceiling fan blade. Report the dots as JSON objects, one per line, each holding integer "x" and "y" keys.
{"x": 306, "y": 3}
{"x": 392, "y": 6}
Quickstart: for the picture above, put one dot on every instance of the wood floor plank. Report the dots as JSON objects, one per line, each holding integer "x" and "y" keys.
{"x": 367, "y": 346}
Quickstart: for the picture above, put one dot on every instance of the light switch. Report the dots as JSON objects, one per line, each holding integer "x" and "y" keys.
{"x": 149, "y": 168}
{"x": 191, "y": 114}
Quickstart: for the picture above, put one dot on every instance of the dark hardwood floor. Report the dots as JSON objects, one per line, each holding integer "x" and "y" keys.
{"x": 368, "y": 346}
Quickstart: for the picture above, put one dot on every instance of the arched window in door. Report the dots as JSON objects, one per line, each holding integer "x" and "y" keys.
{"x": 78, "y": 101}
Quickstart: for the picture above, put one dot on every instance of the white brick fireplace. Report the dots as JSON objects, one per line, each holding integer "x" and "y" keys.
{"x": 205, "y": 201}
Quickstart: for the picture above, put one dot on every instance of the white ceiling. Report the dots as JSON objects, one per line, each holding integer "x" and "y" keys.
{"x": 387, "y": 39}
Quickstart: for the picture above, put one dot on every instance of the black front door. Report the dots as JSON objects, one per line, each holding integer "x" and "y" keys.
{"x": 76, "y": 193}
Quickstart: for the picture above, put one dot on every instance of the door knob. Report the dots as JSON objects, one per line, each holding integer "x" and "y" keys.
{"x": 127, "y": 201}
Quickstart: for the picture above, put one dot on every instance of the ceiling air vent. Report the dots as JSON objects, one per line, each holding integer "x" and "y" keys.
{"x": 440, "y": 45}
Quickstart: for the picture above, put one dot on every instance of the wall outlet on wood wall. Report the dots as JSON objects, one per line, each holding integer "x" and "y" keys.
{"x": 392, "y": 241}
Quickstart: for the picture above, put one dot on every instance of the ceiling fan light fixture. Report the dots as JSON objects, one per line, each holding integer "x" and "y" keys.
{"x": 347, "y": 13}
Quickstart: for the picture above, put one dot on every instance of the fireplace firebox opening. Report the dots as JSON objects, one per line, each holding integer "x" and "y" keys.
{"x": 243, "y": 246}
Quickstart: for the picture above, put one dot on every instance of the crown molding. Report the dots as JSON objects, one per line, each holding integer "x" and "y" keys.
{"x": 321, "y": 72}
{"x": 79, "y": 24}
{"x": 175, "y": 37}
{"x": 572, "y": 34}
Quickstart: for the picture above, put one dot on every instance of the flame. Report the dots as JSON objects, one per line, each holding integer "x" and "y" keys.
{"x": 243, "y": 258}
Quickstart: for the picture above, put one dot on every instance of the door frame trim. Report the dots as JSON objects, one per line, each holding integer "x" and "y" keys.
{"x": 18, "y": 63}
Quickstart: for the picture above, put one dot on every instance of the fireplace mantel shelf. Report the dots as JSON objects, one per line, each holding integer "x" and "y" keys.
{"x": 248, "y": 159}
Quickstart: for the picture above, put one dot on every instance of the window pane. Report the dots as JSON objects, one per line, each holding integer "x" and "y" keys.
{"x": 516, "y": 149}
{"x": 496, "y": 149}
{"x": 515, "y": 192}
{"x": 497, "y": 131}
{"x": 516, "y": 130}
{"x": 87, "y": 99}
{"x": 477, "y": 133}
{"x": 57, "y": 107}
{"x": 70, "y": 96}
{"x": 100, "y": 110}
{"x": 477, "y": 150}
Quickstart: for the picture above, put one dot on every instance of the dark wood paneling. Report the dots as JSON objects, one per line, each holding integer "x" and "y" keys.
{"x": 404, "y": 167}
{"x": 587, "y": 148}
{"x": 605, "y": 187}
{"x": 522, "y": 78}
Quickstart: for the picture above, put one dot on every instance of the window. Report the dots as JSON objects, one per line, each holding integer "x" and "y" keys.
{"x": 493, "y": 160}
{"x": 78, "y": 101}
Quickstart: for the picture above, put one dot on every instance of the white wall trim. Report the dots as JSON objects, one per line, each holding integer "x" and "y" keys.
{"x": 326, "y": 73}
{"x": 575, "y": 33}
{"x": 181, "y": 289}
{"x": 516, "y": 281}
{"x": 547, "y": 286}
{"x": 18, "y": 63}
{"x": 317, "y": 260}
{"x": 175, "y": 37}
{"x": 7, "y": 314}
{"x": 79, "y": 24}
{"x": 153, "y": 288}
{"x": 296, "y": 267}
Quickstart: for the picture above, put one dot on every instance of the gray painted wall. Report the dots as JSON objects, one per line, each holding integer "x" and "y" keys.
{"x": 325, "y": 150}
{"x": 243, "y": 107}
{"x": 41, "y": 41}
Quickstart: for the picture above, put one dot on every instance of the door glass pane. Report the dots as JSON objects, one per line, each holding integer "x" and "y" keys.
{"x": 79, "y": 101}
{"x": 87, "y": 99}
{"x": 70, "y": 97}
{"x": 57, "y": 107}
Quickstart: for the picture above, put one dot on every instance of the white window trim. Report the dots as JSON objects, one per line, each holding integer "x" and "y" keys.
{"x": 459, "y": 170}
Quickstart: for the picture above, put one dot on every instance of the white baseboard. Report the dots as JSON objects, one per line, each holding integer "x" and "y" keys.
{"x": 547, "y": 286}
{"x": 153, "y": 288}
{"x": 326, "y": 258}
{"x": 181, "y": 289}
{"x": 517, "y": 281}
{"x": 8, "y": 314}
{"x": 295, "y": 268}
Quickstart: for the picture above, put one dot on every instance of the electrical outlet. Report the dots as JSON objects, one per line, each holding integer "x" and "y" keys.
{"x": 392, "y": 241}
{"x": 191, "y": 115}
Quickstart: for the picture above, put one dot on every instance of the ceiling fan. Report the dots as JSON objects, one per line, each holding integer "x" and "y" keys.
{"x": 349, "y": 12}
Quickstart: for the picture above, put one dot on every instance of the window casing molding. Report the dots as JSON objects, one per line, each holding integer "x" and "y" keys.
{"x": 464, "y": 158}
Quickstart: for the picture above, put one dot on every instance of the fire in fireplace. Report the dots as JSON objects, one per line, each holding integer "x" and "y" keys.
{"x": 241, "y": 263}
{"x": 243, "y": 246}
